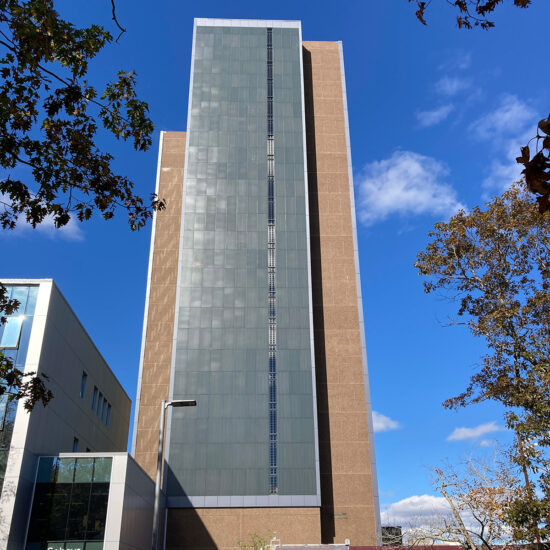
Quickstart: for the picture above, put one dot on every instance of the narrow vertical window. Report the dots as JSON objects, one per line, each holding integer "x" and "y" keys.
{"x": 75, "y": 445}
{"x": 108, "y": 419}
{"x": 99, "y": 403}
{"x": 83, "y": 384}
{"x": 94, "y": 399}
{"x": 104, "y": 410}
{"x": 271, "y": 275}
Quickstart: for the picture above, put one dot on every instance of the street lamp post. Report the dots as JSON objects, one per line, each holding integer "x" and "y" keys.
{"x": 163, "y": 407}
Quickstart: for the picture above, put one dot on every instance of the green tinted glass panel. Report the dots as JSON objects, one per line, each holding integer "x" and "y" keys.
{"x": 65, "y": 470}
{"x": 102, "y": 469}
{"x": 78, "y": 512}
{"x": 99, "y": 498}
{"x": 84, "y": 470}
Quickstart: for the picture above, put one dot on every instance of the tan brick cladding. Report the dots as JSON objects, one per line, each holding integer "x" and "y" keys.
{"x": 155, "y": 383}
{"x": 344, "y": 446}
{"x": 209, "y": 528}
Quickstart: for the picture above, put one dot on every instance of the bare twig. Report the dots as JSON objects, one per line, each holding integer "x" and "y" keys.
{"x": 122, "y": 29}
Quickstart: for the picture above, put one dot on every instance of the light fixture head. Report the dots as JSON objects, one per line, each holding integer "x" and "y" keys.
{"x": 182, "y": 403}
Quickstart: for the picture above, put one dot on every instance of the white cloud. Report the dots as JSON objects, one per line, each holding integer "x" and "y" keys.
{"x": 509, "y": 126}
{"x": 70, "y": 232}
{"x": 383, "y": 423}
{"x": 452, "y": 85}
{"x": 435, "y": 116}
{"x": 423, "y": 516}
{"x": 501, "y": 175}
{"x": 460, "y": 60}
{"x": 510, "y": 118}
{"x": 412, "y": 509}
{"x": 407, "y": 183}
{"x": 464, "y": 60}
{"x": 460, "y": 434}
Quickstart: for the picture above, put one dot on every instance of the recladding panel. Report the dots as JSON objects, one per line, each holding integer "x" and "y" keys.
{"x": 222, "y": 447}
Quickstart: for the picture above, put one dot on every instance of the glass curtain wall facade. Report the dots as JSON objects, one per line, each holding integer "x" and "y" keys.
{"x": 69, "y": 507}
{"x": 14, "y": 342}
{"x": 243, "y": 344}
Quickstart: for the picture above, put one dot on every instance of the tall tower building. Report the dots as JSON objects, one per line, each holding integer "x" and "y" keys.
{"x": 253, "y": 301}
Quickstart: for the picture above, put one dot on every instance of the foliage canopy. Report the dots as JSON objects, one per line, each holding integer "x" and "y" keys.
{"x": 52, "y": 166}
{"x": 495, "y": 263}
{"x": 477, "y": 497}
{"x": 471, "y": 13}
{"x": 49, "y": 116}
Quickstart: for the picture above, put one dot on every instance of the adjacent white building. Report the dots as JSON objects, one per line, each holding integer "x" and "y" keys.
{"x": 90, "y": 410}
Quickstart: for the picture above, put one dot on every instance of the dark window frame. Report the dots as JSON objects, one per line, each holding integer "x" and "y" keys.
{"x": 104, "y": 410}
{"x": 99, "y": 404}
{"x": 94, "y": 398}
{"x": 83, "y": 382}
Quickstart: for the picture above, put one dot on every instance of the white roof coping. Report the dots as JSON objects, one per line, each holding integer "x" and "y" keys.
{"x": 208, "y": 22}
{"x": 24, "y": 281}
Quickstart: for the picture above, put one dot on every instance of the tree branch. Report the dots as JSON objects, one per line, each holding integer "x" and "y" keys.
{"x": 458, "y": 519}
{"x": 61, "y": 79}
{"x": 122, "y": 29}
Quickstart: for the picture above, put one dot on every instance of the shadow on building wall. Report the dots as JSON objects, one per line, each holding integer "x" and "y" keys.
{"x": 327, "y": 498}
{"x": 184, "y": 527}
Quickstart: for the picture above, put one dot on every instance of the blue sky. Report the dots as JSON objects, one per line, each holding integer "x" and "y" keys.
{"x": 436, "y": 118}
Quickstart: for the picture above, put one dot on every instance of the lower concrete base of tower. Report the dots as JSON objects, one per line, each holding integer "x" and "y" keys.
{"x": 227, "y": 528}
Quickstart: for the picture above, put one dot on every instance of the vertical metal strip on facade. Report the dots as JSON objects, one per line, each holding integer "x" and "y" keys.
{"x": 271, "y": 274}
